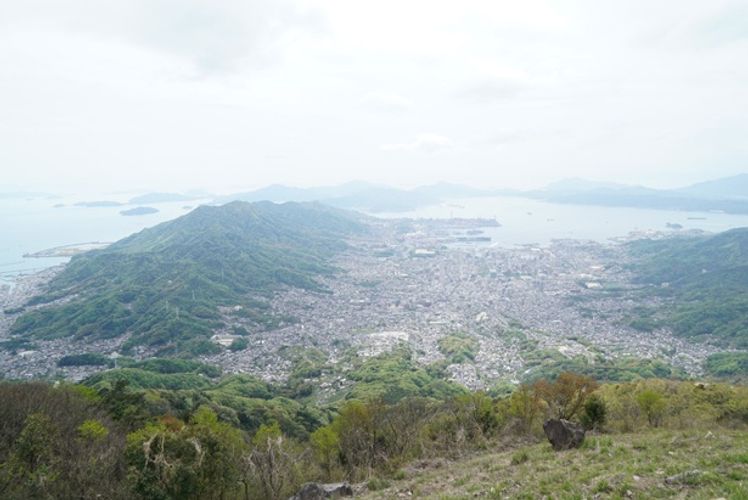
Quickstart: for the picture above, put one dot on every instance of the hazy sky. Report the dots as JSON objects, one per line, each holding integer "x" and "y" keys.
{"x": 231, "y": 94}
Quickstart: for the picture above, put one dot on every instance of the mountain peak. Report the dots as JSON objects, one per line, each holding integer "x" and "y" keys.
{"x": 164, "y": 285}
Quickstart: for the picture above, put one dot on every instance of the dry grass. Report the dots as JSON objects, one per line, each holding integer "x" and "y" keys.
{"x": 652, "y": 464}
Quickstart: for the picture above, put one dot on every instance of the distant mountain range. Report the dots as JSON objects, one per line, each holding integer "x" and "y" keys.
{"x": 729, "y": 194}
{"x": 735, "y": 187}
{"x": 164, "y": 285}
{"x": 362, "y": 195}
{"x": 725, "y": 195}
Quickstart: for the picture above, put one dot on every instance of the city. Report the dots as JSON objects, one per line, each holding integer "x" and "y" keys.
{"x": 414, "y": 283}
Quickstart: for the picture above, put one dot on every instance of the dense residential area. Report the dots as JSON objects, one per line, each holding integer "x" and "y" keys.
{"x": 417, "y": 284}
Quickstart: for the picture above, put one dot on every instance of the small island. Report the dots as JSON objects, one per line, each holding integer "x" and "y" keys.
{"x": 139, "y": 211}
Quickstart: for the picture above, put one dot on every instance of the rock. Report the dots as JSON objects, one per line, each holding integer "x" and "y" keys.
{"x": 563, "y": 434}
{"x": 317, "y": 491}
{"x": 688, "y": 477}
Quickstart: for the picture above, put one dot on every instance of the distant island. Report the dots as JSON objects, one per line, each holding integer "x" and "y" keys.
{"x": 139, "y": 211}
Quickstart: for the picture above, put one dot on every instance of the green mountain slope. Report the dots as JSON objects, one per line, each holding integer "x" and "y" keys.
{"x": 164, "y": 284}
{"x": 707, "y": 278}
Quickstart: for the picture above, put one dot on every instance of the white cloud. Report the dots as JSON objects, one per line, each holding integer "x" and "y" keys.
{"x": 387, "y": 102}
{"x": 428, "y": 143}
{"x": 172, "y": 94}
{"x": 216, "y": 36}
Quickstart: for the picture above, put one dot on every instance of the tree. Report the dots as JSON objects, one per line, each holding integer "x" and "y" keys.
{"x": 273, "y": 462}
{"x": 239, "y": 344}
{"x": 594, "y": 413}
{"x": 326, "y": 445}
{"x": 170, "y": 459}
{"x": 524, "y": 406}
{"x": 56, "y": 443}
{"x": 124, "y": 405}
{"x": 357, "y": 427}
{"x": 652, "y": 403}
{"x": 222, "y": 446}
{"x": 31, "y": 466}
{"x": 567, "y": 394}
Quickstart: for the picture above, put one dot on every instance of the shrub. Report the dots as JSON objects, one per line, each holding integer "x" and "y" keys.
{"x": 594, "y": 413}
{"x": 567, "y": 394}
{"x": 239, "y": 344}
{"x": 652, "y": 403}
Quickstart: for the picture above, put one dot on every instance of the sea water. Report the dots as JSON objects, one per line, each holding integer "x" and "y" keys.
{"x": 32, "y": 225}
{"x": 35, "y": 224}
{"x": 527, "y": 221}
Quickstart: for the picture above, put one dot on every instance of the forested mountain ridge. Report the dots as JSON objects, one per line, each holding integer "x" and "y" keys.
{"x": 164, "y": 284}
{"x": 707, "y": 280}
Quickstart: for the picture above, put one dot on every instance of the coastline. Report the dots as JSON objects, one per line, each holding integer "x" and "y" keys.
{"x": 67, "y": 250}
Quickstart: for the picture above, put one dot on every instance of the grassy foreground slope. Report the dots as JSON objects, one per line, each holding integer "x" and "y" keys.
{"x": 648, "y": 464}
{"x": 240, "y": 438}
{"x": 164, "y": 284}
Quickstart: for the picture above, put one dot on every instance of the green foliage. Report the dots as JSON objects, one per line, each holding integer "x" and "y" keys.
{"x": 33, "y": 448}
{"x": 462, "y": 423}
{"x": 274, "y": 463}
{"x": 172, "y": 365}
{"x": 377, "y": 484}
{"x": 86, "y": 359}
{"x": 131, "y": 394}
{"x": 566, "y": 396}
{"x": 594, "y": 413}
{"x": 653, "y": 405}
{"x": 728, "y": 364}
{"x": 239, "y": 439}
{"x": 520, "y": 457}
{"x": 143, "y": 379}
{"x": 93, "y": 430}
{"x": 16, "y": 345}
{"x": 608, "y": 370}
{"x": 165, "y": 284}
{"x": 525, "y": 405}
{"x": 673, "y": 404}
{"x": 239, "y": 345}
{"x": 458, "y": 348}
{"x": 326, "y": 445}
{"x": 123, "y": 404}
{"x": 174, "y": 460}
{"x": 393, "y": 376}
{"x": 55, "y": 442}
{"x": 707, "y": 283}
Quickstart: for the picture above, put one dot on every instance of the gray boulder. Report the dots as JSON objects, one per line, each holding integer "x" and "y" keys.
{"x": 317, "y": 491}
{"x": 687, "y": 477}
{"x": 563, "y": 434}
